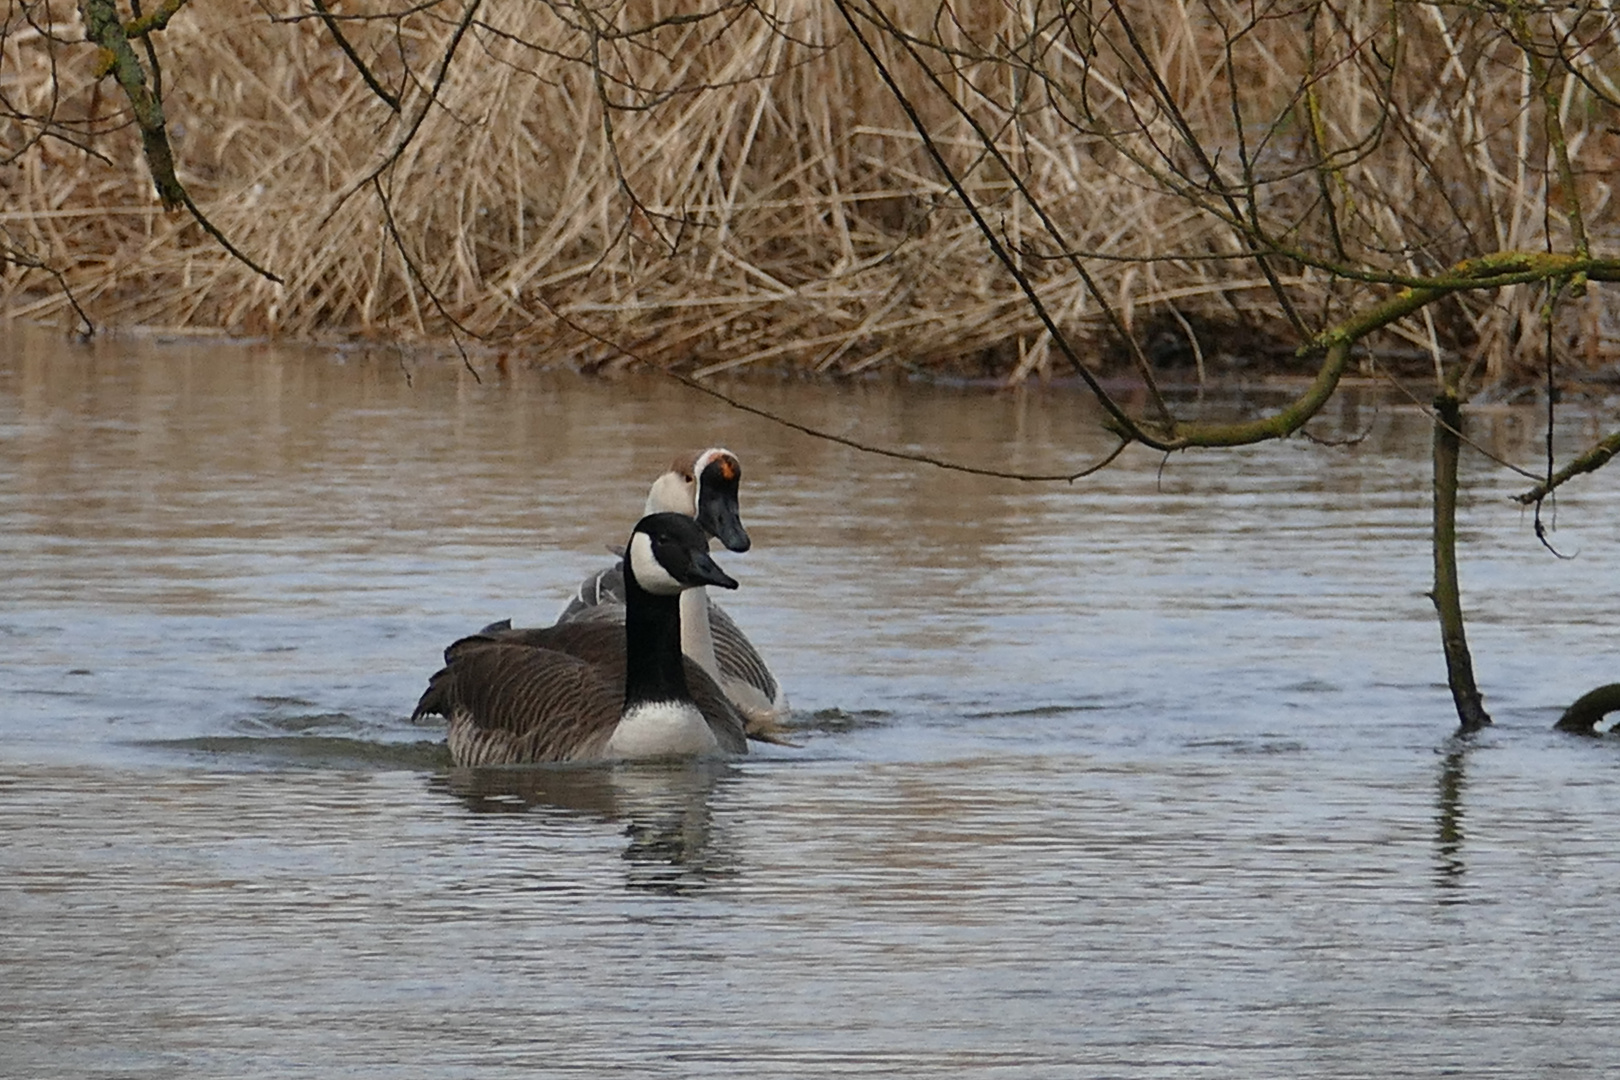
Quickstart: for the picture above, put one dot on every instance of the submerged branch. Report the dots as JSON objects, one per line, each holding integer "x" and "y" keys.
{"x": 1590, "y": 708}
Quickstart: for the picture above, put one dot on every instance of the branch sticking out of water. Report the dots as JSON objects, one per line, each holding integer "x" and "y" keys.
{"x": 1446, "y": 596}
{"x": 1590, "y": 708}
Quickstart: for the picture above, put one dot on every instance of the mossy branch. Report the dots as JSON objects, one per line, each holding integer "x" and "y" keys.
{"x": 116, "y": 57}
{"x": 1487, "y": 272}
{"x": 1335, "y": 344}
{"x": 104, "y": 28}
{"x": 1591, "y": 461}
{"x": 158, "y": 20}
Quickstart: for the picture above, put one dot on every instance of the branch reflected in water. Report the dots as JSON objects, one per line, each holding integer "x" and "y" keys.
{"x": 1449, "y": 864}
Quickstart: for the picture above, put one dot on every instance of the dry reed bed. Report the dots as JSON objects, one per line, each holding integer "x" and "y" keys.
{"x": 741, "y": 188}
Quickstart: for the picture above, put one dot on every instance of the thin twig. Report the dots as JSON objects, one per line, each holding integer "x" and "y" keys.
{"x": 829, "y": 436}
{"x": 11, "y": 252}
{"x": 1127, "y": 425}
{"x": 416, "y": 273}
{"x": 389, "y": 99}
{"x": 409, "y": 135}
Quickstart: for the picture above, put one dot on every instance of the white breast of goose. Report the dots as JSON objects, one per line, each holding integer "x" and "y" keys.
{"x": 657, "y": 729}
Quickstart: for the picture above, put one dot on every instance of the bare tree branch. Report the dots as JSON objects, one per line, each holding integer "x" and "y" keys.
{"x": 382, "y": 92}
{"x": 102, "y": 26}
{"x": 1593, "y": 459}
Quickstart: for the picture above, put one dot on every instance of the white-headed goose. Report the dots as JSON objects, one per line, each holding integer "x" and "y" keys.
{"x": 702, "y": 486}
{"x": 572, "y": 693}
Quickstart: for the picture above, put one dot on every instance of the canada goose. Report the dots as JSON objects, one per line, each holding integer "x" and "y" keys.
{"x": 567, "y": 693}
{"x": 704, "y": 486}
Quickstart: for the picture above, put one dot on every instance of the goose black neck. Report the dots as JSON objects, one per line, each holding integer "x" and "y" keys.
{"x": 653, "y": 667}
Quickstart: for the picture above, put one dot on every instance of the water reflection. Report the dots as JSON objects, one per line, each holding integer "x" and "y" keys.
{"x": 1452, "y": 783}
{"x": 1145, "y": 765}
{"x": 664, "y": 808}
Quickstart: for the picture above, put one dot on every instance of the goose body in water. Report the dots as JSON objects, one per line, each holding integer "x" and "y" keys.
{"x": 571, "y": 693}
{"x": 704, "y": 486}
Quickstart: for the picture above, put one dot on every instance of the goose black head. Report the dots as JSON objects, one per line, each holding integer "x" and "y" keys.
{"x": 669, "y": 553}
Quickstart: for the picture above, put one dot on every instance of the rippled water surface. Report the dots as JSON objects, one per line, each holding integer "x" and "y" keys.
{"x": 1148, "y": 776}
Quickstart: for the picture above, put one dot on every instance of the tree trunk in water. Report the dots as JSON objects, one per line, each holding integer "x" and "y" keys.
{"x": 1446, "y": 597}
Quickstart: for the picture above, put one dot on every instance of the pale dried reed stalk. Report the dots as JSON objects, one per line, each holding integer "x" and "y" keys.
{"x": 738, "y": 188}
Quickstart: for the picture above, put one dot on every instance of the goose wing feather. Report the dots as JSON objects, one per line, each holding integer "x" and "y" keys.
{"x": 606, "y": 586}
{"x": 511, "y": 703}
{"x": 597, "y": 638}
{"x": 737, "y": 656}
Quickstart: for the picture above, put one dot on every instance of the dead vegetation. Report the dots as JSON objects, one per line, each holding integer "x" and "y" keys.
{"x": 729, "y": 184}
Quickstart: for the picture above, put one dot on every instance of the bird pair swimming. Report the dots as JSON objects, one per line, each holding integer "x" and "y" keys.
{"x": 640, "y": 664}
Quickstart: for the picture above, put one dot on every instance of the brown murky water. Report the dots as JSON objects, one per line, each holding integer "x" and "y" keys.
{"x": 1150, "y": 776}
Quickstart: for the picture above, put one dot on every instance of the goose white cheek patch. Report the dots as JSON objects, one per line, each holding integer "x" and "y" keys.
{"x": 649, "y": 572}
